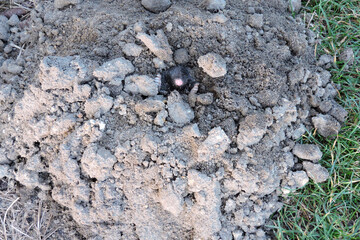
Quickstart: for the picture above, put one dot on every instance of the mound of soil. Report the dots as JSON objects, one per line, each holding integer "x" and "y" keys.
{"x": 84, "y": 123}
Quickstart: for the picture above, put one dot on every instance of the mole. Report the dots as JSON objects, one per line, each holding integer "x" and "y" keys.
{"x": 175, "y": 78}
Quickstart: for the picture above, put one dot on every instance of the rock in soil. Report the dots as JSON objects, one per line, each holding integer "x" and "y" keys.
{"x": 326, "y": 125}
{"x": 114, "y": 71}
{"x": 131, "y": 49}
{"x": 157, "y": 44}
{"x": 213, "y": 64}
{"x": 347, "y": 56}
{"x": 156, "y": 6}
{"x": 294, "y": 6}
{"x": 214, "y": 5}
{"x": 143, "y": 85}
{"x": 59, "y": 4}
{"x": 179, "y": 111}
{"x": 316, "y": 172}
{"x": 4, "y": 29}
{"x": 181, "y": 56}
{"x": 308, "y": 152}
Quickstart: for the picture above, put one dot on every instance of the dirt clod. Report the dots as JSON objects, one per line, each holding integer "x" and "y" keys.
{"x": 213, "y": 64}
{"x": 316, "y": 172}
{"x": 347, "y": 56}
{"x": 131, "y": 49}
{"x": 326, "y": 125}
{"x": 156, "y": 6}
{"x": 179, "y": 111}
{"x": 214, "y": 5}
{"x": 157, "y": 44}
{"x": 308, "y": 152}
{"x": 59, "y": 4}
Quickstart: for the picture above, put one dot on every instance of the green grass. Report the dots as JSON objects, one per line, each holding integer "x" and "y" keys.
{"x": 331, "y": 210}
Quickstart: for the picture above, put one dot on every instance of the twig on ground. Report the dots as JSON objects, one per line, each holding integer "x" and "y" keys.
{"x": 4, "y": 219}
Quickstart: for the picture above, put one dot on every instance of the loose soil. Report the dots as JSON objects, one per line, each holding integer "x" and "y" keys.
{"x": 85, "y": 131}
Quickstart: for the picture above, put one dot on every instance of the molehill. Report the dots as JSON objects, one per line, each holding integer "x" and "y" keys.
{"x": 83, "y": 123}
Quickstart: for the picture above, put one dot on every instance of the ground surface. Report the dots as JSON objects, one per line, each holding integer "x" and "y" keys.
{"x": 330, "y": 210}
{"x": 85, "y": 132}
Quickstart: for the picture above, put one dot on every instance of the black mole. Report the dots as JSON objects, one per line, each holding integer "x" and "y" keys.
{"x": 176, "y": 78}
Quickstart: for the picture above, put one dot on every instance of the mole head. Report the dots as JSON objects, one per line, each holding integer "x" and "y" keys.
{"x": 178, "y": 82}
{"x": 179, "y": 77}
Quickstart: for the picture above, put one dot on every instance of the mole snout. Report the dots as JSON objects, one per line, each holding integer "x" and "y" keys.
{"x": 176, "y": 78}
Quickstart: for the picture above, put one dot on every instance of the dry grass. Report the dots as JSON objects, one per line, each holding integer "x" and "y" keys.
{"x": 25, "y": 218}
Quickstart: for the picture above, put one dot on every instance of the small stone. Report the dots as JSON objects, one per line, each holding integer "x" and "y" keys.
{"x": 330, "y": 91}
{"x": 214, "y": 145}
{"x": 14, "y": 20}
{"x": 325, "y": 59}
{"x": 181, "y": 56}
{"x": 5, "y": 91}
{"x": 260, "y": 234}
{"x": 149, "y": 106}
{"x": 4, "y": 171}
{"x": 296, "y": 75}
{"x": 326, "y": 125}
{"x": 141, "y": 84}
{"x": 308, "y": 152}
{"x": 324, "y": 77}
{"x": 252, "y": 129}
{"x": 256, "y": 20}
{"x": 169, "y": 27}
{"x": 161, "y": 118}
{"x": 298, "y": 132}
{"x": 250, "y": 10}
{"x": 294, "y": 6}
{"x": 122, "y": 109}
{"x": 3, "y": 19}
{"x": 214, "y": 5}
{"x": 131, "y": 49}
{"x": 97, "y": 162}
{"x": 63, "y": 72}
{"x": 101, "y": 51}
{"x": 63, "y": 125}
{"x": 98, "y": 105}
{"x": 139, "y": 27}
{"x": 213, "y": 64}
{"x": 179, "y": 111}
{"x": 158, "y": 63}
{"x": 114, "y": 71}
{"x": 170, "y": 200}
{"x": 158, "y": 45}
{"x": 219, "y": 18}
{"x": 205, "y": 98}
{"x": 30, "y": 179}
{"x": 10, "y": 66}
{"x": 238, "y": 234}
{"x": 338, "y": 112}
{"x": 4, "y": 30}
{"x": 325, "y": 106}
{"x": 314, "y": 101}
{"x": 347, "y": 56}
{"x": 316, "y": 172}
{"x": 149, "y": 144}
{"x": 230, "y": 205}
{"x": 297, "y": 43}
{"x": 8, "y": 49}
{"x": 192, "y": 130}
{"x": 59, "y": 4}
{"x": 300, "y": 178}
{"x": 156, "y": 6}
{"x": 267, "y": 97}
